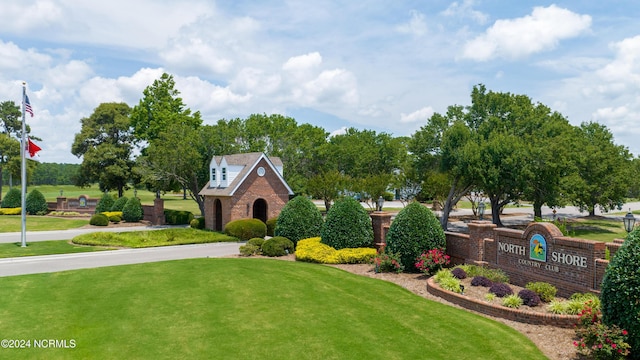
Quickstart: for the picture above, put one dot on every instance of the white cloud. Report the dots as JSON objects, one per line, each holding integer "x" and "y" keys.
{"x": 416, "y": 25}
{"x": 465, "y": 10}
{"x": 303, "y": 63}
{"x": 421, "y": 115}
{"x": 340, "y": 131}
{"x": 23, "y": 16}
{"x": 520, "y": 37}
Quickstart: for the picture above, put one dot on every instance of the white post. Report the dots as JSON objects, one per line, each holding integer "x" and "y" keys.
{"x": 23, "y": 212}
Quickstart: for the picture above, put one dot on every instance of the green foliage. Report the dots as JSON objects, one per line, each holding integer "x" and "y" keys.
{"x": 99, "y": 220}
{"x": 414, "y": 230}
{"x": 451, "y": 284}
{"x": 312, "y": 250}
{"x": 36, "y": 203}
{"x": 115, "y": 218}
{"x": 11, "y": 211}
{"x": 178, "y": 217}
{"x": 495, "y": 275}
{"x": 119, "y": 204}
{"x": 545, "y": 291}
{"x": 299, "y": 219}
{"x": 387, "y": 262}
{"x": 132, "y": 211}
{"x": 277, "y": 246}
{"x": 197, "y": 223}
{"x": 105, "y": 203}
{"x": 442, "y": 274}
{"x": 13, "y": 198}
{"x": 245, "y": 229}
{"x": 620, "y": 295}
{"x": 600, "y": 341}
{"x": 512, "y": 301}
{"x": 347, "y": 226}
{"x": 271, "y": 226}
{"x": 256, "y": 241}
{"x": 249, "y": 250}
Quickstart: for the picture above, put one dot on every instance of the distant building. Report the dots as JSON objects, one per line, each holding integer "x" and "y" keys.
{"x": 243, "y": 186}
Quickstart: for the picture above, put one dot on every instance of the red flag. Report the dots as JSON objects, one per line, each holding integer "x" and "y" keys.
{"x": 32, "y": 148}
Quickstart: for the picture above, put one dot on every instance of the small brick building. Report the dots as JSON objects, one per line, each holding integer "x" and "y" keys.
{"x": 243, "y": 186}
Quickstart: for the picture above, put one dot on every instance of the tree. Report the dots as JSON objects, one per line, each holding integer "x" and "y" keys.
{"x": 328, "y": 186}
{"x": 105, "y": 143}
{"x": 10, "y": 125}
{"x": 602, "y": 169}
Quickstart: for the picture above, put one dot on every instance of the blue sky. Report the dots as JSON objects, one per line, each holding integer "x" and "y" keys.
{"x": 380, "y": 65}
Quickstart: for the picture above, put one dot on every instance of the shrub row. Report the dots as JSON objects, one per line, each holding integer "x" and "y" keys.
{"x": 313, "y": 250}
{"x": 178, "y": 217}
{"x": 245, "y": 229}
{"x": 11, "y": 211}
{"x": 35, "y": 203}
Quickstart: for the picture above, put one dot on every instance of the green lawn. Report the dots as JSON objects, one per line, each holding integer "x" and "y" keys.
{"x": 142, "y": 239}
{"x": 241, "y": 309}
{"x": 13, "y": 223}
{"x": 600, "y": 229}
{"x": 44, "y": 248}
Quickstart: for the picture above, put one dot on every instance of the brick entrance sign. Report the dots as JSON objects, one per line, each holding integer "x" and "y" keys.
{"x": 539, "y": 253}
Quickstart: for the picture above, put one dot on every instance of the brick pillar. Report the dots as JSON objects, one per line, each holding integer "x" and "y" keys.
{"x": 380, "y": 221}
{"x": 158, "y": 211}
{"x": 478, "y": 231}
{"x": 61, "y": 203}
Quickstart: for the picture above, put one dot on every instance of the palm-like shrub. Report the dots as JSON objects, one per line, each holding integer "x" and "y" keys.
{"x": 620, "y": 297}
{"x": 36, "y": 204}
{"x": 105, "y": 203}
{"x": 13, "y": 199}
{"x": 347, "y": 226}
{"x": 414, "y": 230}
{"x": 299, "y": 219}
{"x": 132, "y": 210}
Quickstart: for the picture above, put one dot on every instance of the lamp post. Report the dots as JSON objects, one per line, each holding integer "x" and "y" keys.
{"x": 629, "y": 221}
{"x": 380, "y": 203}
{"x": 481, "y": 208}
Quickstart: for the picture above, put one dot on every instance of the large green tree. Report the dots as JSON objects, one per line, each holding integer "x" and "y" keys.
{"x": 602, "y": 169}
{"x": 105, "y": 143}
{"x": 10, "y": 133}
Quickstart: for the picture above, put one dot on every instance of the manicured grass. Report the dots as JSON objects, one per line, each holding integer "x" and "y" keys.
{"x": 142, "y": 239}
{"x": 599, "y": 230}
{"x": 241, "y": 309}
{"x": 44, "y": 248}
{"x": 13, "y": 223}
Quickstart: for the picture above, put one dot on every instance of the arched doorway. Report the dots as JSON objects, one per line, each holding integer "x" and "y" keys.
{"x": 218, "y": 215}
{"x": 260, "y": 210}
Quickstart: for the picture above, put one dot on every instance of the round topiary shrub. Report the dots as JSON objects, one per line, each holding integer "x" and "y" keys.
{"x": 197, "y": 223}
{"x": 481, "y": 281}
{"x": 414, "y": 230}
{"x": 347, "y": 226}
{"x": 13, "y": 198}
{"x": 277, "y": 246}
{"x": 620, "y": 297}
{"x": 99, "y": 220}
{"x": 115, "y": 218}
{"x": 119, "y": 204}
{"x": 459, "y": 273}
{"x": 249, "y": 250}
{"x": 271, "y": 226}
{"x": 105, "y": 203}
{"x": 36, "y": 204}
{"x": 132, "y": 210}
{"x": 529, "y": 297}
{"x": 256, "y": 241}
{"x": 245, "y": 229}
{"x": 299, "y": 219}
{"x": 501, "y": 289}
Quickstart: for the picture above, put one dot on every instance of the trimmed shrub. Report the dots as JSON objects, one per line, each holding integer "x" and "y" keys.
{"x": 299, "y": 219}
{"x": 481, "y": 281}
{"x": 99, "y": 220}
{"x": 347, "y": 226}
{"x": 545, "y": 291}
{"x": 458, "y": 273}
{"x": 256, "y": 241}
{"x": 132, "y": 211}
{"x": 501, "y": 289}
{"x": 271, "y": 225}
{"x": 245, "y": 229}
{"x": 13, "y": 199}
{"x": 312, "y": 250}
{"x": 105, "y": 203}
{"x": 414, "y": 230}
{"x": 620, "y": 296}
{"x": 178, "y": 217}
{"x": 248, "y": 250}
{"x": 11, "y": 211}
{"x": 277, "y": 246}
{"x": 387, "y": 262}
{"x": 36, "y": 204}
{"x": 197, "y": 223}
{"x": 119, "y": 204}
{"x": 529, "y": 297}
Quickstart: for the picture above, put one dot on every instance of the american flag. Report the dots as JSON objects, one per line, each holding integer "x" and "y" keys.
{"x": 27, "y": 106}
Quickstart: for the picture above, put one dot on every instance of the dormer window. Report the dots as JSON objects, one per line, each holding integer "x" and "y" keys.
{"x": 224, "y": 174}
{"x": 213, "y": 176}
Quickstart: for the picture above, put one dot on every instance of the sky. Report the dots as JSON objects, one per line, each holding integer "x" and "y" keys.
{"x": 380, "y": 65}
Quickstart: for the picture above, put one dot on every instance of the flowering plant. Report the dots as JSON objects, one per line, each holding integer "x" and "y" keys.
{"x": 599, "y": 340}
{"x": 432, "y": 260}
{"x": 387, "y": 262}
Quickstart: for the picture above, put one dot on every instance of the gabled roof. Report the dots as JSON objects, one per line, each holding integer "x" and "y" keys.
{"x": 248, "y": 162}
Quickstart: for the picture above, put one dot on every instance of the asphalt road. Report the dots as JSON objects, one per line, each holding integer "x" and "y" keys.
{"x": 53, "y": 263}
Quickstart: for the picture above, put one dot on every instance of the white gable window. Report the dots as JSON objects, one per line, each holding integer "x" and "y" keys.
{"x": 224, "y": 174}
{"x": 213, "y": 176}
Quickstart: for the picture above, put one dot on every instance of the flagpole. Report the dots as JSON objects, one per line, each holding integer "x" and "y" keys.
{"x": 23, "y": 181}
